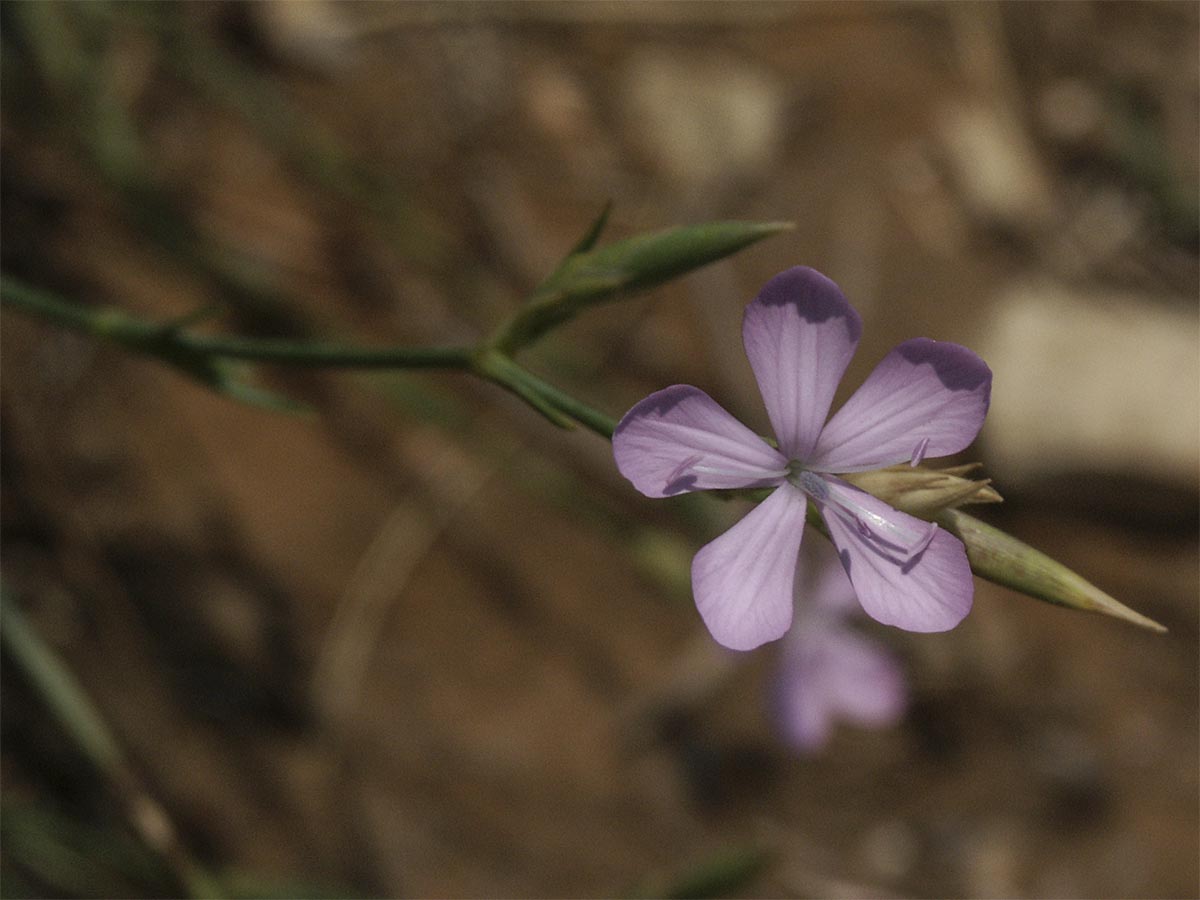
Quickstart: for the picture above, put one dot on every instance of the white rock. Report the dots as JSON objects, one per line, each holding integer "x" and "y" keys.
{"x": 310, "y": 33}
{"x": 995, "y": 166}
{"x": 1085, "y": 382}
{"x": 703, "y": 119}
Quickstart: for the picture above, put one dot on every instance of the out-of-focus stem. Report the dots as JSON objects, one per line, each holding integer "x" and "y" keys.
{"x": 70, "y": 706}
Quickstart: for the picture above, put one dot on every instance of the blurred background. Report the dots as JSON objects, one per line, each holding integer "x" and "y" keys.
{"x": 423, "y": 643}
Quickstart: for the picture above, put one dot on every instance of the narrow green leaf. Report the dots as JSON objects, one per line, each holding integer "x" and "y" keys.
{"x": 588, "y": 241}
{"x": 623, "y": 268}
{"x": 73, "y": 709}
{"x": 228, "y": 379}
{"x": 57, "y": 686}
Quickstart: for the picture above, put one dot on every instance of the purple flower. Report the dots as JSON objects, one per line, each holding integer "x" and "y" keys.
{"x": 828, "y": 671}
{"x": 926, "y": 398}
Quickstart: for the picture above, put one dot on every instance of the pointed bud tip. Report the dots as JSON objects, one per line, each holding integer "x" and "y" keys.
{"x": 1108, "y": 606}
{"x": 776, "y": 227}
{"x": 1008, "y": 561}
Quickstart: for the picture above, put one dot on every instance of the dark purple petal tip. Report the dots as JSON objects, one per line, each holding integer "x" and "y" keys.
{"x": 958, "y": 368}
{"x": 818, "y": 298}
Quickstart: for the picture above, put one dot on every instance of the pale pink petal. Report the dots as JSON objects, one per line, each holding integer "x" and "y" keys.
{"x": 800, "y": 334}
{"x": 864, "y": 683}
{"x": 743, "y": 580}
{"x": 924, "y": 399}
{"x": 906, "y": 572}
{"x": 804, "y": 716}
{"x": 679, "y": 439}
{"x": 830, "y": 673}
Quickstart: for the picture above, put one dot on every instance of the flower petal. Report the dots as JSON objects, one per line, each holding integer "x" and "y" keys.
{"x": 929, "y": 590}
{"x": 864, "y": 683}
{"x": 829, "y": 672}
{"x": 743, "y": 580}
{"x": 800, "y": 334}
{"x": 925, "y": 399}
{"x": 679, "y": 439}
{"x": 804, "y": 715}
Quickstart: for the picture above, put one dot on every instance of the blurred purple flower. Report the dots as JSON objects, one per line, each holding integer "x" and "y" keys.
{"x": 829, "y": 672}
{"x": 926, "y": 398}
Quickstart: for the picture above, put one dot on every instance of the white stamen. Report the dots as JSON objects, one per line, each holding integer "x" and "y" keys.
{"x": 918, "y": 453}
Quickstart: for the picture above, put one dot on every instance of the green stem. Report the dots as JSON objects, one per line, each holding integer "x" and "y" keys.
{"x": 590, "y": 417}
{"x": 172, "y": 343}
{"x": 58, "y": 689}
{"x": 327, "y": 355}
{"x": 501, "y": 369}
{"x": 41, "y": 303}
{"x": 559, "y": 407}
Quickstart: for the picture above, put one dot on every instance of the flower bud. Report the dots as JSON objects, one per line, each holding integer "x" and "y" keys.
{"x": 936, "y": 494}
{"x": 1004, "y": 560}
{"x": 925, "y": 492}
